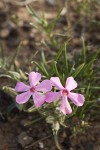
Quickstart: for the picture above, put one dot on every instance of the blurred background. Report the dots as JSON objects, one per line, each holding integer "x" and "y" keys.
{"x": 78, "y": 18}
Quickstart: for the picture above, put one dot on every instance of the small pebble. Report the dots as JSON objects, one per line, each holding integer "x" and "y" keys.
{"x": 41, "y": 145}
{"x": 24, "y": 139}
{"x": 4, "y": 33}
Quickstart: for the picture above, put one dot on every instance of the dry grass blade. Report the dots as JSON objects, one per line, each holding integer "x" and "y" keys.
{"x": 44, "y": 138}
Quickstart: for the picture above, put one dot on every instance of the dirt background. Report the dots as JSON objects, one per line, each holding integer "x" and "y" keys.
{"x": 15, "y": 27}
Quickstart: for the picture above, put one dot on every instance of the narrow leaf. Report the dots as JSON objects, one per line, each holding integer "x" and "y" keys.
{"x": 78, "y": 70}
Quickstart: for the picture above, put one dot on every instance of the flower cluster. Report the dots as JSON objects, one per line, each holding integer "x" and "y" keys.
{"x": 41, "y": 92}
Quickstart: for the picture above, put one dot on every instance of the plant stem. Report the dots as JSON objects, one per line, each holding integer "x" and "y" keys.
{"x": 57, "y": 142}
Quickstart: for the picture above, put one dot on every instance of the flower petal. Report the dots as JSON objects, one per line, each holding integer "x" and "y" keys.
{"x": 70, "y": 84}
{"x": 21, "y": 87}
{"x": 52, "y": 96}
{"x": 77, "y": 99}
{"x": 44, "y": 86}
{"x": 56, "y": 82}
{"x": 38, "y": 98}
{"x": 34, "y": 78}
{"x": 23, "y": 98}
{"x": 65, "y": 106}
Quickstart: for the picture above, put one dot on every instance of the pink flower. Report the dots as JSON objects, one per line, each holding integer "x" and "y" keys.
{"x": 36, "y": 90}
{"x": 65, "y": 93}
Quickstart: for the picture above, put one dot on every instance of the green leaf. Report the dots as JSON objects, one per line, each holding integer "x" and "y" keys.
{"x": 20, "y": 107}
{"x": 92, "y": 87}
{"x": 22, "y": 75}
{"x": 10, "y": 90}
{"x": 44, "y": 20}
{"x": 14, "y": 56}
{"x": 10, "y": 108}
{"x": 60, "y": 52}
{"x": 43, "y": 58}
{"x": 5, "y": 76}
{"x": 72, "y": 68}
{"x": 31, "y": 109}
{"x": 78, "y": 70}
{"x": 65, "y": 59}
{"x": 87, "y": 67}
{"x": 42, "y": 69}
{"x": 14, "y": 75}
{"x": 84, "y": 49}
{"x": 56, "y": 70}
{"x": 33, "y": 121}
{"x": 33, "y": 13}
{"x": 52, "y": 25}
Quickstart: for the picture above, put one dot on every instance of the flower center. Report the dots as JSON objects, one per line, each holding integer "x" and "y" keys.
{"x": 65, "y": 92}
{"x": 32, "y": 89}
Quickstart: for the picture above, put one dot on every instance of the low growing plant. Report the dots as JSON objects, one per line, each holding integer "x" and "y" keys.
{"x": 52, "y": 82}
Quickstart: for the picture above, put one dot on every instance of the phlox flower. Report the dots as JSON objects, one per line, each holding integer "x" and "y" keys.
{"x": 64, "y": 93}
{"x": 36, "y": 90}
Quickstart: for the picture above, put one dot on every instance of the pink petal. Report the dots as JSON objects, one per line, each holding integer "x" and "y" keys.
{"x": 44, "y": 86}
{"x": 34, "y": 78}
{"x": 76, "y": 98}
{"x": 38, "y": 98}
{"x": 56, "y": 82}
{"x": 21, "y": 87}
{"x": 70, "y": 84}
{"x": 52, "y": 96}
{"x": 65, "y": 106}
{"x": 23, "y": 98}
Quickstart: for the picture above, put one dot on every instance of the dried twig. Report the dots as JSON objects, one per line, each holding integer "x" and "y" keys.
{"x": 26, "y": 2}
{"x": 42, "y": 139}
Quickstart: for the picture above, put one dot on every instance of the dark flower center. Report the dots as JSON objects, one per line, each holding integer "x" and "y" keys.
{"x": 32, "y": 89}
{"x": 65, "y": 92}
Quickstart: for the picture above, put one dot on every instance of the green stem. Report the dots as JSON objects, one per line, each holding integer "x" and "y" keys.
{"x": 57, "y": 142}
{"x": 34, "y": 121}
